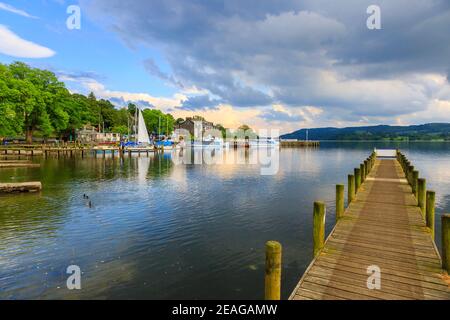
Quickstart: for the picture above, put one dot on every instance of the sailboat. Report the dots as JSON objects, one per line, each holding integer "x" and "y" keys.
{"x": 141, "y": 137}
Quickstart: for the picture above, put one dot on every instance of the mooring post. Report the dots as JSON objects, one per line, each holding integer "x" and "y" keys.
{"x": 422, "y": 189}
{"x": 410, "y": 173}
{"x": 362, "y": 171}
{"x": 431, "y": 197}
{"x": 318, "y": 226}
{"x": 351, "y": 188}
{"x": 273, "y": 271}
{"x": 415, "y": 183}
{"x": 366, "y": 167}
{"x": 445, "y": 223}
{"x": 339, "y": 201}
{"x": 357, "y": 179}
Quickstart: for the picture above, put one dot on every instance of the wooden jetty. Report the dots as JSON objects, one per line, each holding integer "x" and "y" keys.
{"x": 20, "y": 187}
{"x": 299, "y": 144}
{"x": 46, "y": 151}
{"x": 382, "y": 246}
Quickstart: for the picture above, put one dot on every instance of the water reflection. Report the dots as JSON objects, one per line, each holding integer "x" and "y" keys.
{"x": 159, "y": 228}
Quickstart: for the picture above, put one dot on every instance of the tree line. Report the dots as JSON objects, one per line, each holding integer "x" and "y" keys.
{"x": 34, "y": 103}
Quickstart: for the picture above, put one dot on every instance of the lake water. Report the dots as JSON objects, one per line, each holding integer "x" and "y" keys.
{"x": 163, "y": 230}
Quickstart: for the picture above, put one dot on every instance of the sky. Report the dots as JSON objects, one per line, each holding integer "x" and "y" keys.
{"x": 283, "y": 65}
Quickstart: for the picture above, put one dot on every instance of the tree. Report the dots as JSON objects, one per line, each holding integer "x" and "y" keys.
{"x": 158, "y": 122}
{"x": 9, "y": 124}
{"x": 37, "y": 96}
{"x": 198, "y": 118}
{"x": 222, "y": 129}
{"x": 248, "y": 132}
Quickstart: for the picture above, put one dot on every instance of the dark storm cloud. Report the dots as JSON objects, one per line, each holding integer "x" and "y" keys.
{"x": 312, "y": 52}
{"x": 154, "y": 70}
{"x": 202, "y": 102}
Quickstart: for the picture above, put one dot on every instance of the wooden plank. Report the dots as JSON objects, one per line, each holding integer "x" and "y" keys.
{"x": 20, "y": 187}
{"x": 19, "y": 165}
{"x": 382, "y": 227}
{"x": 390, "y": 283}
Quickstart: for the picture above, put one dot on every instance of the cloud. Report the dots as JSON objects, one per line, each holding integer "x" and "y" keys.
{"x": 12, "y": 45}
{"x": 201, "y": 102}
{"x": 317, "y": 53}
{"x": 281, "y": 116}
{"x": 154, "y": 70}
{"x": 9, "y": 8}
{"x": 122, "y": 98}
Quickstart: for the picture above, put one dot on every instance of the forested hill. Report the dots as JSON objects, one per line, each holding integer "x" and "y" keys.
{"x": 424, "y": 132}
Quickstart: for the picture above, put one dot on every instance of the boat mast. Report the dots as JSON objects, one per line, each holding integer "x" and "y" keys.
{"x": 159, "y": 127}
{"x": 136, "y": 128}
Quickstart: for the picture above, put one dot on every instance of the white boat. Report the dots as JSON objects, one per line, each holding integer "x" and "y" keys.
{"x": 264, "y": 143}
{"x": 211, "y": 143}
{"x": 142, "y": 139}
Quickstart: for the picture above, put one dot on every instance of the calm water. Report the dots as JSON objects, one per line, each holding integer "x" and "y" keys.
{"x": 160, "y": 230}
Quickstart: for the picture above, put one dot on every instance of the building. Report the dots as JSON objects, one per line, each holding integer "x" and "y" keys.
{"x": 90, "y": 134}
{"x": 195, "y": 126}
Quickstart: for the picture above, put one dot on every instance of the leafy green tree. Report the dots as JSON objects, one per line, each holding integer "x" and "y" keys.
{"x": 158, "y": 122}
{"x": 120, "y": 129}
{"x": 9, "y": 122}
{"x": 37, "y": 96}
{"x": 222, "y": 129}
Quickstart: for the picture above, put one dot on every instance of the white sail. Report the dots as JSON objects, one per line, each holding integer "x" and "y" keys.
{"x": 142, "y": 133}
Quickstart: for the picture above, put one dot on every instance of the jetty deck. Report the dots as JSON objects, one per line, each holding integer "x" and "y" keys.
{"x": 384, "y": 227}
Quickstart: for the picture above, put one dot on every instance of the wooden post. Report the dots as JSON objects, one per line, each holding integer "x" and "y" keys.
{"x": 104, "y": 153}
{"x": 318, "y": 226}
{"x": 431, "y": 197}
{"x": 415, "y": 183}
{"x": 445, "y": 223}
{"x": 362, "y": 171}
{"x": 273, "y": 271}
{"x": 409, "y": 174}
{"x": 339, "y": 201}
{"x": 422, "y": 195}
{"x": 366, "y": 167}
{"x": 351, "y": 188}
{"x": 357, "y": 179}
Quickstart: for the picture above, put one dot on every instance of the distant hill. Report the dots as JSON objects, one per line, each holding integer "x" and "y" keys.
{"x": 423, "y": 132}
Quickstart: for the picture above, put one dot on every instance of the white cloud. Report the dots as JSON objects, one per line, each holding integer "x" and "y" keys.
{"x": 13, "y": 45}
{"x": 9, "y": 8}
